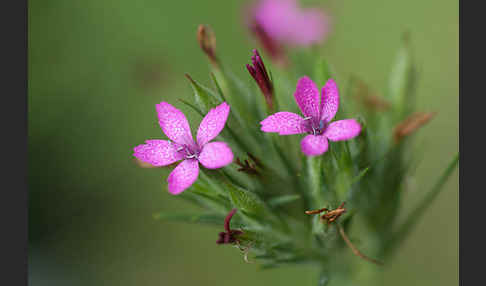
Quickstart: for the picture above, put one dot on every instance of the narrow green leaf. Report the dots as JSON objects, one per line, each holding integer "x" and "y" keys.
{"x": 245, "y": 200}
{"x": 193, "y": 107}
{"x": 237, "y": 85}
{"x": 227, "y": 131}
{"x": 281, "y": 200}
{"x": 355, "y": 180}
{"x": 323, "y": 278}
{"x": 266, "y": 256}
{"x": 318, "y": 226}
{"x": 315, "y": 179}
{"x": 239, "y": 140}
{"x": 237, "y": 93}
{"x": 276, "y": 99}
{"x": 292, "y": 170}
{"x": 359, "y": 176}
{"x": 290, "y": 167}
{"x": 402, "y": 80}
{"x": 218, "y": 86}
{"x": 203, "y": 198}
{"x": 323, "y": 72}
{"x": 257, "y": 240}
{"x": 415, "y": 215}
{"x": 212, "y": 219}
{"x": 204, "y": 97}
{"x": 399, "y": 74}
{"x": 267, "y": 266}
{"x": 231, "y": 175}
{"x": 213, "y": 179}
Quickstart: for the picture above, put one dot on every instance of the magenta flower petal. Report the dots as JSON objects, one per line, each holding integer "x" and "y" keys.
{"x": 313, "y": 145}
{"x": 212, "y": 123}
{"x": 342, "y": 130}
{"x": 158, "y": 152}
{"x": 215, "y": 155}
{"x": 307, "y": 97}
{"x": 183, "y": 176}
{"x": 329, "y": 100}
{"x": 163, "y": 152}
{"x": 285, "y": 123}
{"x": 174, "y": 124}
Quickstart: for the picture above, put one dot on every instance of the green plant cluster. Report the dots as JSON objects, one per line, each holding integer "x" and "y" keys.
{"x": 272, "y": 183}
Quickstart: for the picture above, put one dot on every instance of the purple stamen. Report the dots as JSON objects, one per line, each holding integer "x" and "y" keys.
{"x": 315, "y": 126}
{"x": 189, "y": 152}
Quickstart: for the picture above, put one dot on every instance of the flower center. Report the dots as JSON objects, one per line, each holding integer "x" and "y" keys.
{"x": 315, "y": 127}
{"x": 189, "y": 152}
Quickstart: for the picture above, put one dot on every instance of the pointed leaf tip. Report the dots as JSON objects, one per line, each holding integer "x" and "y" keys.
{"x": 205, "y": 98}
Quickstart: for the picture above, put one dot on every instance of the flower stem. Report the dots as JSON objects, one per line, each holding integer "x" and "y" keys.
{"x": 419, "y": 210}
{"x": 356, "y": 250}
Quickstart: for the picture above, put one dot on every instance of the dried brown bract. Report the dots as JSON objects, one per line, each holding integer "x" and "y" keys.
{"x": 207, "y": 42}
{"x": 411, "y": 124}
{"x": 331, "y": 216}
{"x": 249, "y": 167}
{"x": 369, "y": 98}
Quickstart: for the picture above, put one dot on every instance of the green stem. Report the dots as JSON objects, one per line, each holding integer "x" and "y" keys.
{"x": 420, "y": 209}
{"x": 293, "y": 174}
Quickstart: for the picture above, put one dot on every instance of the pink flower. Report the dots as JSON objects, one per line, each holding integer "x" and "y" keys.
{"x": 285, "y": 22}
{"x": 317, "y": 116}
{"x": 182, "y": 147}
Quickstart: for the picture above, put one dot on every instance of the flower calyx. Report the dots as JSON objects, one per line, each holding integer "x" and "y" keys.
{"x": 229, "y": 236}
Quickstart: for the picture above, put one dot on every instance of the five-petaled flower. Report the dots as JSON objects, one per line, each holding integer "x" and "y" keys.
{"x": 182, "y": 147}
{"x": 229, "y": 235}
{"x": 316, "y": 121}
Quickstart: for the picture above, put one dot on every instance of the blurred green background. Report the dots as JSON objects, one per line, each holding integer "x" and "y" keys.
{"x": 98, "y": 67}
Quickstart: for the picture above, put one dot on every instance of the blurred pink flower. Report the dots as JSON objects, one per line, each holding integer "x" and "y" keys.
{"x": 316, "y": 122}
{"x": 278, "y": 22}
{"x": 182, "y": 147}
{"x": 286, "y": 22}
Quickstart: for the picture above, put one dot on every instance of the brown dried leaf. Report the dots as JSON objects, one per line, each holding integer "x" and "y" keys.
{"x": 411, "y": 124}
{"x": 370, "y": 99}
